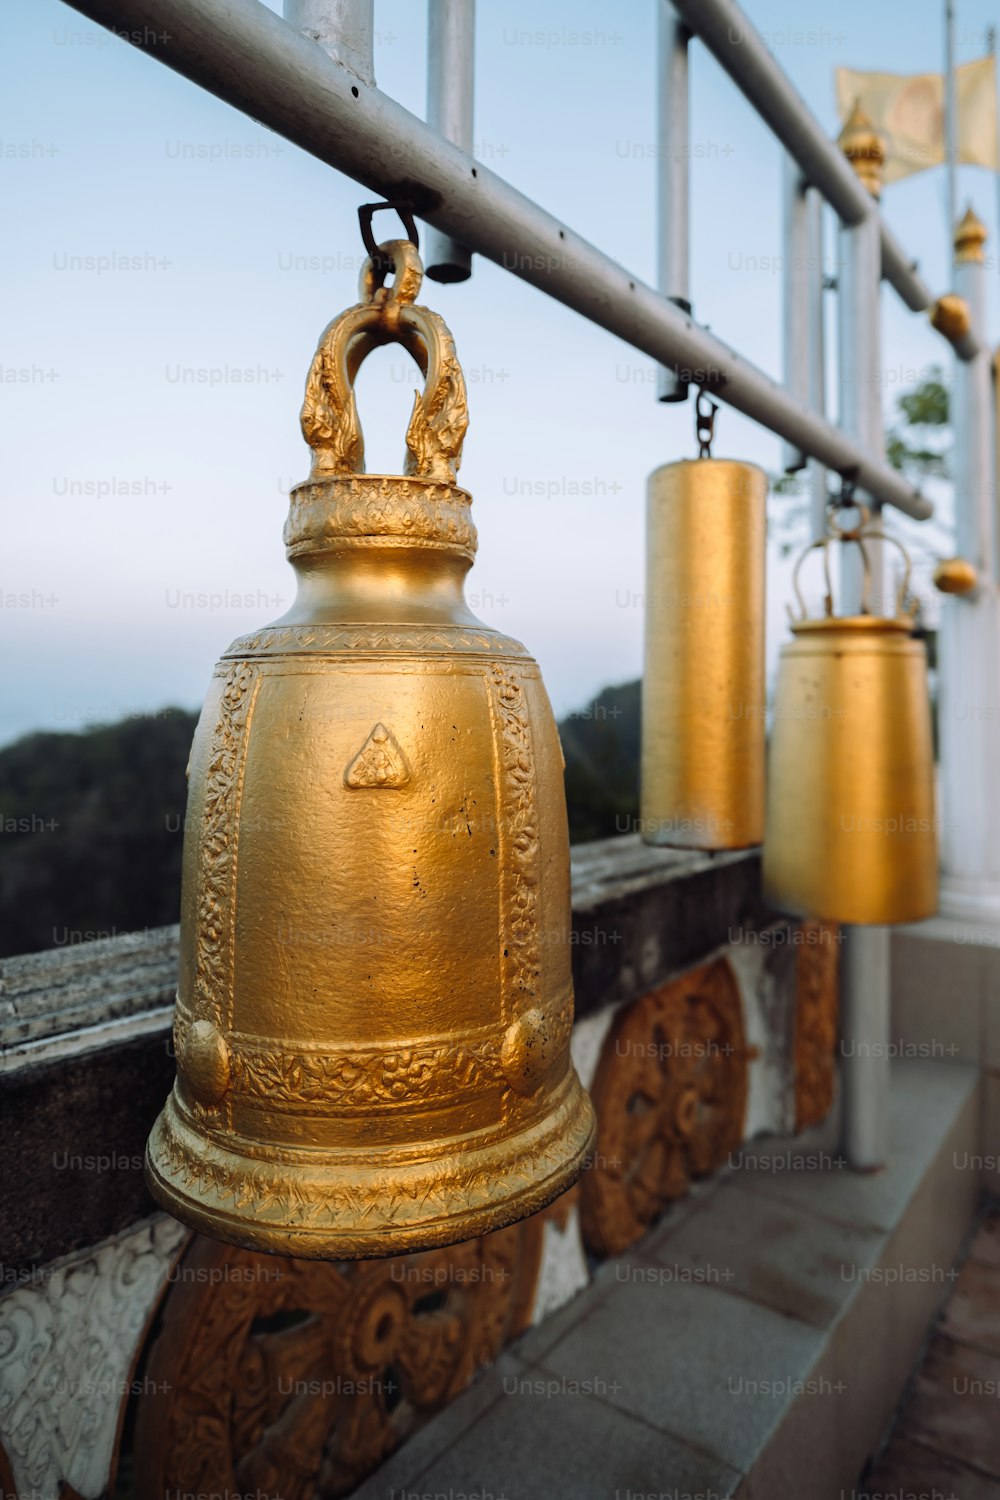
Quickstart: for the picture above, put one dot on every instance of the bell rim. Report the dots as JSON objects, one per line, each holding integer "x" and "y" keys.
{"x": 892, "y": 914}
{"x": 859, "y": 625}
{"x": 567, "y": 1131}
{"x": 709, "y": 461}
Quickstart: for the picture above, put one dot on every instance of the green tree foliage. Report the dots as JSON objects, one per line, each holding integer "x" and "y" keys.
{"x": 91, "y": 829}
{"x": 601, "y": 746}
{"x": 917, "y": 443}
{"x": 91, "y": 824}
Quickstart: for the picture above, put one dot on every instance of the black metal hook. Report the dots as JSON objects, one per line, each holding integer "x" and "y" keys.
{"x": 704, "y": 422}
{"x": 845, "y": 500}
{"x": 381, "y": 263}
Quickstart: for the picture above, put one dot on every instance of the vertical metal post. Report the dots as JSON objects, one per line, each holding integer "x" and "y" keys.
{"x": 803, "y": 323}
{"x": 950, "y": 119}
{"x": 816, "y": 313}
{"x": 345, "y": 29}
{"x": 451, "y": 49}
{"x": 796, "y": 326}
{"x": 969, "y": 637}
{"x": 673, "y": 162}
{"x": 991, "y": 47}
{"x": 865, "y": 987}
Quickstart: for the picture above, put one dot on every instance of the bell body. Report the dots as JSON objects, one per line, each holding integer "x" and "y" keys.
{"x": 851, "y": 827}
{"x": 375, "y": 1004}
{"x": 703, "y": 685}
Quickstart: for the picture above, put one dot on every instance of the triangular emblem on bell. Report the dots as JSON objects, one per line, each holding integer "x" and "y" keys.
{"x": 375, "y": 1004}
{"x": 851, "y": 828}
{"x": 379, "y": 762}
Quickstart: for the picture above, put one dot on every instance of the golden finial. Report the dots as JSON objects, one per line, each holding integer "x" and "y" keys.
{"x": 970, "y": 237}
{"x": 956, "y": 575}
{"x": 864, "y": 149}
{"x": 950, "y": 315}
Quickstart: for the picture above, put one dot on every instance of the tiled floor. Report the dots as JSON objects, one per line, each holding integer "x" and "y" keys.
{"x": 946, "y": 1440}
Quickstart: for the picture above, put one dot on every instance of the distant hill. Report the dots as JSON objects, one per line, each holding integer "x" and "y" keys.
{"x": 91, "y": 824}
{"x": 601, "y": 746}
{"x": 91, "y": 827}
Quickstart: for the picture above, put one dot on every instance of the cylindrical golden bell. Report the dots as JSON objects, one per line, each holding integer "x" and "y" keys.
{"x": 851, "y": 832}
{"x": 703, "y": 690}
{"x": 375, "y": 1004}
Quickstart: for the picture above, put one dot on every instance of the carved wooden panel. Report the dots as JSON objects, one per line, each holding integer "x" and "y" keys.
{"x": 67, "y": 1339}
{"x": 8, "y": 1485}
{"x": 670, "y": 1093}
{"x": 296, "y": 1378}
{"x": 817, "y": 1009}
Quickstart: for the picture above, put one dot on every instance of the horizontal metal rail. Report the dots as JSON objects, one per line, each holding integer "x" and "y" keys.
{"x": 246, "y": 55}
{"x": 738, "y": 47}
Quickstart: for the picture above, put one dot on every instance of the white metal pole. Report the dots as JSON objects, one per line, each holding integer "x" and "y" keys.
{"x": 796, "y": 327}
{"x": 950, "y": 122}
{"x": 740, "y": 49}
{"x": 244, "y": 53}
{"x": 451, "y": 48}
{"x": 345, "y": 29}
{"x": 816, "y": 313}
{"x": 969, "y": 636}
{"x": 991, "y": 43}
{"x": 673, "y": 179}
{"x": 865, "y": 950}
{"x": 248, "y": 56}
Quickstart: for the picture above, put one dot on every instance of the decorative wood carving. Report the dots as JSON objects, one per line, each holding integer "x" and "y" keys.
{"x": 297, "y": 1378}
{"x": 67, "y": 1341}
{"x": 670, "y": 1093}
{"x": 817, "y": 974}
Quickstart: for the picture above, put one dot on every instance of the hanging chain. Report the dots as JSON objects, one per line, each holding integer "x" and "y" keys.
{"x": 704, "y": 422}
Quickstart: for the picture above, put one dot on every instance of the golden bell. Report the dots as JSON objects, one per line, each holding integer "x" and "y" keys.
{"x": 851, "y": 832}
{"x": 375, "y": 1004}
{"x": 703, "y": 686}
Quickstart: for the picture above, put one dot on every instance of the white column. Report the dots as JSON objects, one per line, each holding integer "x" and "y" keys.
{"x": 796, "y": 325}
{"x": 672, "y": 177}
{"x": 864, "y": 987}
{"x": 451, "y": 56}
{"x": 969, "y": 636}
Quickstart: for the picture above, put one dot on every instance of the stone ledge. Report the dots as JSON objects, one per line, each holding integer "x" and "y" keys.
{"x": 639, "y": 914}
{"x": 775, "y": 1377}
{"x": 85, "y": 1042}
{"x": 89, "y": 991}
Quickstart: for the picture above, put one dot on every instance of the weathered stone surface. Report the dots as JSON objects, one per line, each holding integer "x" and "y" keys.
{"x": 75, "y": 1132}
{"x": 642, "y": 914}
{"x": 48, "y": 995}
{"x": 972, "y": 1315}
{"x": 908, "y": 1468}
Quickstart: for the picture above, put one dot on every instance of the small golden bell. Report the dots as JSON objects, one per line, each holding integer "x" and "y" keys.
{"x": 851, "y": 832}
{"x": 703, "y": 687}
{"x": 375, "y": 1003}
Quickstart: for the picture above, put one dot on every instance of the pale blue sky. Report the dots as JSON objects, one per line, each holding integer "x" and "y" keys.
{"x": 239, "y": 248}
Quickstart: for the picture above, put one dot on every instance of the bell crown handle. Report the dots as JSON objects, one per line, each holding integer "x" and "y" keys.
{"x": 386, "y": 314}
{"x": 861, "y": 532}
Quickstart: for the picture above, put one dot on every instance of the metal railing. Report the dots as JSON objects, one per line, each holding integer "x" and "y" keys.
{"x": 309, "y": 77}
{"x": 245, "y": 54}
